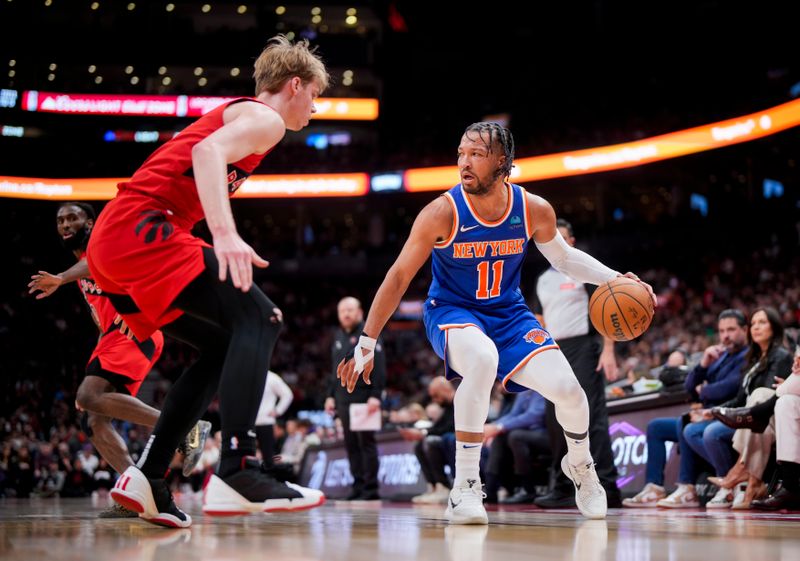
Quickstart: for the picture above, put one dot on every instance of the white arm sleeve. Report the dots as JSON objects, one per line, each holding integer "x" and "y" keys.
{"x": 282, "y": 391}
{"x": 575, "y": 263}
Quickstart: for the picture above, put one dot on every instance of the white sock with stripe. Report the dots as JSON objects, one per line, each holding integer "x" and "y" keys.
{"x": 468, "y": 458}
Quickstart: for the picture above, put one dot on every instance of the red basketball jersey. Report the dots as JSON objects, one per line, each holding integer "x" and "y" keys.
{"x": 168, "y": 177}
{"x": 103, "y": 312}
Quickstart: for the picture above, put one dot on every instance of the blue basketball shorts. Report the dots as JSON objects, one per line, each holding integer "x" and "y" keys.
{"x": 514, "y": 329}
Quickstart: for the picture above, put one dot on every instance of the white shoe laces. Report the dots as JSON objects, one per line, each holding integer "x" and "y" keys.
{"x": 586, "y": 477}
{"x": 472, "y": 494}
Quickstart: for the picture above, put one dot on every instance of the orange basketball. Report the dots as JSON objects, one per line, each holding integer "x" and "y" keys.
{"x": 621, "y": 309}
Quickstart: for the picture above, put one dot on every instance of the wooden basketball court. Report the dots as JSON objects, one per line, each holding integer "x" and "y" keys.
{"x": 67, "y": 529}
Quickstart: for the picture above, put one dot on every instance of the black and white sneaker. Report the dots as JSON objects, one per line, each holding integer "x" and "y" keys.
{"x": 253, "y": 489}
{"x": 151, "y": 498}
{"x": 590, "y": 496}
{"x": 193, "y": 445}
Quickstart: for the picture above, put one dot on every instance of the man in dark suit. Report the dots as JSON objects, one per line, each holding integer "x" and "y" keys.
{"x": 362, "y": 452}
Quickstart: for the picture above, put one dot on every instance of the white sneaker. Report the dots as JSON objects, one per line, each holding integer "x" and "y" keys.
{"x": 440, "y": 495}
{"x": 437, "y": 496}
{"x": 723, "y": 499}
{"x": 465, "y": 504}
{"x": 422, "y": 499}
{"x": 647, "y": 497}
{"x": 590, "y": 497}
{"x": 682, "y": 497}
{"x": 739, "y": 497}
{"x": 151, "y": 498}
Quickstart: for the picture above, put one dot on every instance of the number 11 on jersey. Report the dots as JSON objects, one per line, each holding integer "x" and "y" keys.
{"x": 483, "y": 292}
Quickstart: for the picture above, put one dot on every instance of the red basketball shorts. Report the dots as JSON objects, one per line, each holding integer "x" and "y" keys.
{"x": 142, "y": 250}
{"x": 124, "y": 362}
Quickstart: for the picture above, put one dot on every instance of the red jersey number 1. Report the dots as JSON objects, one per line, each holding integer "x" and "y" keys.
{"x": 483, "y": 292}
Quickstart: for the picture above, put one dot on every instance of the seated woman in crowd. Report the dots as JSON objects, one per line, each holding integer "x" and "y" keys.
{"x": 715, "y": 379}
{"x": 766, "y": 360}
{"x": 786, "y": 494}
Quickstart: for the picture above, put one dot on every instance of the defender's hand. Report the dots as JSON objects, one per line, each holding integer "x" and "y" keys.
{"x": 44, "y": 282}
{"x": 234, "y": 254}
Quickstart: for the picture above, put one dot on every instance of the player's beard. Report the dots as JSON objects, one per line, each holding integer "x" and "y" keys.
{"x": 483, "y": 186}
{"x": 77, "y": 241}
{"x": 480, "y": 188}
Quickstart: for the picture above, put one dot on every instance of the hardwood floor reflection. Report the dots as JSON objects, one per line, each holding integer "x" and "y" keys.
{"x": 67, "y": 529}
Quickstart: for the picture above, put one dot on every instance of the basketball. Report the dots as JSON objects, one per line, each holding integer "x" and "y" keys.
{"x": 621, "y": 309}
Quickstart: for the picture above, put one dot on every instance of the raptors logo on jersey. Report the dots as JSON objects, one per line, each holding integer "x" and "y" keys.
{"x": 154, "y": 223}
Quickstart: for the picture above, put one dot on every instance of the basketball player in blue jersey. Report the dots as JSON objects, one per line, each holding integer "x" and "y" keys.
{"x": 476, "y": 317}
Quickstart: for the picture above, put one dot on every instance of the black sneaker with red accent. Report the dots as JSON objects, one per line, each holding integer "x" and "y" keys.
{"x": 254, "y": 489}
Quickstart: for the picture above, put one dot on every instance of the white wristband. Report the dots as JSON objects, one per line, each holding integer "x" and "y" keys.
{"x": 364, "y": 343}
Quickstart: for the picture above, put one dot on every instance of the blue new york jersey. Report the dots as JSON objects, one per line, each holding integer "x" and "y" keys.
{"x": 476, "y": 273}
{"x": 479, "y": 264}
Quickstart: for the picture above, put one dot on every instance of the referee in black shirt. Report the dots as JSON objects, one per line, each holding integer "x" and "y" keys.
{"x": 362, "y": 452}
{"x": 562, "y": 306}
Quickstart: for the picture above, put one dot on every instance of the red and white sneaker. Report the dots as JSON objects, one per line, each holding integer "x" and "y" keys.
{"x": 252, "y": 490}
{"x": 151, "y": 498}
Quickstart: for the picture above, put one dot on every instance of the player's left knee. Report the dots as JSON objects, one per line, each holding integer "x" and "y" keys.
{"x": 574, "y": 395}
{"x": 483, "y": 363}
{"x": 265, "y": 316}
{"x": 86, "y": 397}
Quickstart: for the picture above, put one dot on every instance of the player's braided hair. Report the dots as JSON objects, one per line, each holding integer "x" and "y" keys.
{"x": 500, "y": 135}
{"x": 85, "y": 207}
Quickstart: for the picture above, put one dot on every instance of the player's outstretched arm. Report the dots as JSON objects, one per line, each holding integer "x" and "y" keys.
{"x": 48, "y": 283}
{"x": 433, "y": 224}
{"x": 250, "y": 128}
{"x": 572, "y": 262}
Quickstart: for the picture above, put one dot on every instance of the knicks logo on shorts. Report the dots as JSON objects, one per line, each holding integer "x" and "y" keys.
{"x": 536, "y": 336}
{"x": 153, "y": 223}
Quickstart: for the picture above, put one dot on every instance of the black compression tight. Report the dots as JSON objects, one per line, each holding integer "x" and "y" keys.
{"x": 235, "y": 333}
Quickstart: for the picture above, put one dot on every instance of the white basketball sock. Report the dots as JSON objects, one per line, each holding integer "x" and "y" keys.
{"x": 578, "y": 453}
{"x": 468, "y": 458}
